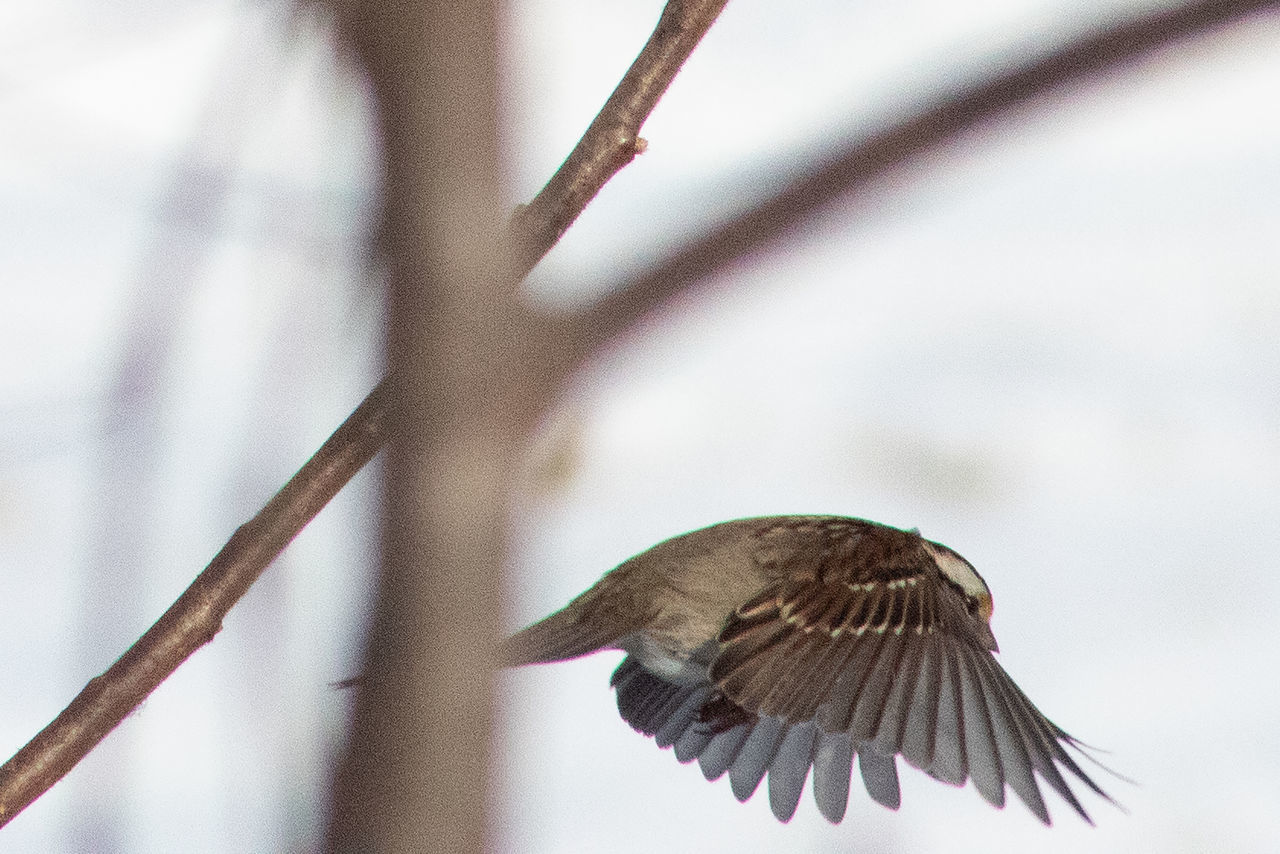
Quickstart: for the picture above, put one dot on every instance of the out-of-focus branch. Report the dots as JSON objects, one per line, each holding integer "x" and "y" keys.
{"x": 414, "y": 770}
{"x": 864, "y": 161}
{"x": 197, "y": 615}
{"x": 469, "y": 377}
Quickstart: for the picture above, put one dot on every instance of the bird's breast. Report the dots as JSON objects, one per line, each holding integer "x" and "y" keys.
{"x": 661, "y": 661}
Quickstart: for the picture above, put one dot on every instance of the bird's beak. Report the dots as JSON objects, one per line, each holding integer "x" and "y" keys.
{"x": 986, "y": 638}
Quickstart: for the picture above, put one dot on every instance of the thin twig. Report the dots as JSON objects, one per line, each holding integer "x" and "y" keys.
{"x": 197, "y": 615}
{"x": 613, "y": 139}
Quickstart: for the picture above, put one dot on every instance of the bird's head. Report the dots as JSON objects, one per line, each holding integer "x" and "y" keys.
{"x": 966, "y": 582}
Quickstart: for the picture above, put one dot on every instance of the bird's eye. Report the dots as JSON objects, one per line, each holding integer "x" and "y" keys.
{"x": 979, "y": 606}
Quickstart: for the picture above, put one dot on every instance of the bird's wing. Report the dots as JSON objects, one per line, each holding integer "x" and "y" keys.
{"x": 897, "y": 667}
{"x": 751, "y": 746}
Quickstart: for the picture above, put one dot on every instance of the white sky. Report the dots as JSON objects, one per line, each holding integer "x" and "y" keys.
{"x": 1052, "y": 347}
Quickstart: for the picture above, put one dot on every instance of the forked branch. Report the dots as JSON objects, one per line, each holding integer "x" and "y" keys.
{"x": 197, "y": 615}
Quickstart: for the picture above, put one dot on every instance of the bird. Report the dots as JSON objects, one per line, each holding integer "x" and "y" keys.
{"x": 782, "y": 645}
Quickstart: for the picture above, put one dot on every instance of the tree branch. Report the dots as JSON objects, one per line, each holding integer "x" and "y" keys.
{"x": 613, "y": 139}
{"x": 864, "y": 161}
{"x": 197, "y": 615}
{"x": 415, "y": 767}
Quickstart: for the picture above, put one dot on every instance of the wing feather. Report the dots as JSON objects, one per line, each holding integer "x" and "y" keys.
{"x": 840, "y": 706}
{"x": 919, "y": 731}
{"x": 692, "y": 742}
{"x": 797, "y": 647}
{"x": 755, "y": 757}
{"x": 832, "y": 772}
{"x": 722, "y": 750}
{"x": 682, "y": 718}
{"x": 980, "y": 743}
{"x": 646, "y": 701}
{"x": 897, "y": 705}
{"x": 880, "y": 776}
{"x": 815, "y": 674}
{"x": 790, "y": 768}
{"x": 1017, "y": 748}
{"x": 876, "y": 687}
{"x": 949, "y": 763}
{"x": 1044, "y": 743}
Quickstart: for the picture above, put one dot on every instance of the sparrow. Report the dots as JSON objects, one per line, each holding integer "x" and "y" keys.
{"x": 776, "y": 645}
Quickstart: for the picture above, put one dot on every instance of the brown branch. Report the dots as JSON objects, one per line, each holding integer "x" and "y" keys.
{"x": 864, "y": 161}
{"x": 613, "y": 139}
{"x": 415, "y": 771}
{"x": 197, "y": 615}
{"x": 414, "y": 768}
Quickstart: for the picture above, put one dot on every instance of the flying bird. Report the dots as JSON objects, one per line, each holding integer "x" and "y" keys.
{"x": 776, "y": 645}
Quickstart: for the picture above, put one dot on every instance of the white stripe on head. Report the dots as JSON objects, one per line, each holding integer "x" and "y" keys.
{"x": 960, "y": 571}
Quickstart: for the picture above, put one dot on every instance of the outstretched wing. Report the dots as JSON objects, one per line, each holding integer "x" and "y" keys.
{"x": 898, "y": 667}
{"x": 751, "y": 747}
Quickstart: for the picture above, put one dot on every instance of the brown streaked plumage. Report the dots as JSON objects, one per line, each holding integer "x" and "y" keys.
{"x": 776, "y": 645}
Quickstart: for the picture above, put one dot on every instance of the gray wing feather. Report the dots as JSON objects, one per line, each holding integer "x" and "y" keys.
{"x": 889, "y": 734}
{"x": 690, "y": 745}
{"x": 834, "y": 714}
{"x": 832, "y": 770}
{"x": 921, "y": 723}
{"x": 1043, "y": 742}
{"x": 790, "y": 768}
{"x": 720, "y": 753}
{"x": 1016, "y": 746}
{"x": 841, "y": 703}
{"x": 948, "y": 763}
{"x": 876, "y": 688}
{"x": 755, "y": 757}
{"x": 682, "y": 719}
{"x": 880, "y": 776}
{"x": 981, "y": 750}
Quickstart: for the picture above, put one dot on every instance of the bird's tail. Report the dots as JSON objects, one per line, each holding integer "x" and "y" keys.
{"x": 563, "y": 635}
{"x": 598, "y": 619}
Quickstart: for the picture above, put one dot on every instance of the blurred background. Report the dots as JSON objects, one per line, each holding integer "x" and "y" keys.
{"x": 1050, "y": 345}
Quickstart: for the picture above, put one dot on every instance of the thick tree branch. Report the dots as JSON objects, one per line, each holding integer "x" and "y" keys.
{"x": 414, "y": 771}
{"x": 470, "y": 376}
